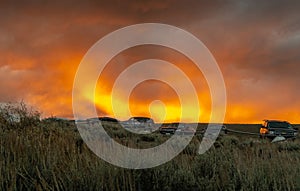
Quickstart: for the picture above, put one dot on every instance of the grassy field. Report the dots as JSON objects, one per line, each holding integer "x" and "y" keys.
{"x": 50, "y": 155}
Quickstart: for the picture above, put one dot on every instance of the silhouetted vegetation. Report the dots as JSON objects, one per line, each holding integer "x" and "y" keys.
{"x": 50, "y": 155}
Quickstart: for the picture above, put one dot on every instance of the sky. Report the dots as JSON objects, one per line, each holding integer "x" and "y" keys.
{"x": 255, "y": 43}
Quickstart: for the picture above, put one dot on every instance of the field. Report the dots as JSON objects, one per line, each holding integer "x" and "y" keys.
{"x": 50, "y": 155}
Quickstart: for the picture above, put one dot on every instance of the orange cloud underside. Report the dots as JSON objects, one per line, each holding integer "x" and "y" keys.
{"x": 143, "y": 102}
{"x": 152, "y": 99}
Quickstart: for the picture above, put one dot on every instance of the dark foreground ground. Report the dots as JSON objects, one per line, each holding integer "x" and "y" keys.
{"x": 50, "y": 155}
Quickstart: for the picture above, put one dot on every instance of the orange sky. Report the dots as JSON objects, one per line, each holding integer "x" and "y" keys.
{"x": 256, "y": 45}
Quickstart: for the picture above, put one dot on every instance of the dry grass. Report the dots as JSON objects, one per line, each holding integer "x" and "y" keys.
{"x": 50, "y": 155}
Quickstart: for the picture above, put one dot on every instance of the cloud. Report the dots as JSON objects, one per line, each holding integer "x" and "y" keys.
{"x": 256, "y": 45}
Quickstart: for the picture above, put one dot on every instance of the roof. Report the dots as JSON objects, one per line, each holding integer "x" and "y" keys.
{"x": 273, "y": 120}
{"x": 140, "y": 118}
{"x": 108, "y": 119}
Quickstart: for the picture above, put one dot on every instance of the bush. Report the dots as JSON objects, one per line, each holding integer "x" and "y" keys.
{"x": 148, "y": 138}
{"x": 18, "y": 116}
